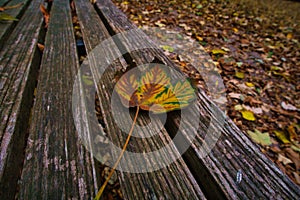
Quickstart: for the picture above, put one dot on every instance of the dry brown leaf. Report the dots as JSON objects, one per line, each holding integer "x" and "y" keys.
{"x": 294, "y": 156}
{"x": 11, "y": 7}
{"x": 41, "y": 47}
{"x": 297, "y": 177}
{"x": 284, "y": 159}
{"x": 72, "y": 5}
{"x": 45, "y": 14}
{"x": 292, "y": 132}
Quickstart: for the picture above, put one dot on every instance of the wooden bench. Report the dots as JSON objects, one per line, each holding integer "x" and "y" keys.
{"x": 41, "y": 152}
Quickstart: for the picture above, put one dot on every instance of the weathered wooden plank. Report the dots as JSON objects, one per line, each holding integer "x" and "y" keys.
{"x": 2, "y": 2}
{"x": 173, "y": 182}
{"x": 6, "y": 27}
{"x": 233, "y": 154}
{"x": 56, "y": 165}
{"x": 19, "y": 62}
{"x": 261, "y": 176}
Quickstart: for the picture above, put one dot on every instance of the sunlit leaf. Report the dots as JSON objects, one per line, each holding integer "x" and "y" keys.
{"x": 295, "y": 148}
{"x": 168, "y": 48}
{"x": 159, "y": 24}
{"x": 218, "y": 51}
{"x": 282, "y": 137}
{"x": 249, "y": 84}
{"x": 292, "y": 132}
{"x": 289, "y": 36}
{"x": 260, "y": 138}
{"x": 248, "y": 115}
{"x": 199, "y": 38}
{"x": 239, "y": 64}
{"x": 235, "y": 30}
{"x": 238, "y": 107}
{"x": 240, "y": 75}
{"x": 199, "y": 6}
{"x": 284, "y": 159}
{"x": 154, "y": 91}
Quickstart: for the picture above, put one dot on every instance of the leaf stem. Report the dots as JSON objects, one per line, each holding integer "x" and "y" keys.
{"x": 120, "y": 156}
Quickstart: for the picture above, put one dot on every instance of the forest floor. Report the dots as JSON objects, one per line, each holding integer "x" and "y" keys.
{"x": 256, "y": 47}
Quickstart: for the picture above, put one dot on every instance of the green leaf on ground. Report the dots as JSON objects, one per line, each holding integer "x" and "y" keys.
{"x": 168, "y": 48}
{"x": 260, "y": 138}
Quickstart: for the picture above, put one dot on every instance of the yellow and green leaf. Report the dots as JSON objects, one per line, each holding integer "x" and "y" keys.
{"x": 173, "y": 98}
{"x": 282, "y": 137}
{"x": 154, "y": 91}
{"x": 127, "y": 88}
{"x": 218, "y": 51}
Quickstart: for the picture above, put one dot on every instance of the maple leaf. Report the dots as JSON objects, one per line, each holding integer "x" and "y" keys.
{"x": 127, "y": 88}
{"x": 153, "y": 91}
{"x": 259, "y": 137}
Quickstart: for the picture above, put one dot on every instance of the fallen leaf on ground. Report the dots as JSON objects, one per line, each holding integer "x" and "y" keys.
{"x": 259, "y": 137}
{"x": 240, "y": 75}
{"x": 249, "y": 84}
{"x": 297, "y": 177}
{"x": 253, "y": 109}
{"x": 288, "y": 106}
{"x": 294, "y": 156}
{"x": 168, "y": 48}
{"x": 238, "y": 107}
{"x": 282, "y": 137}
{"x": 284, "y": 159}
{"x": 248, "y": 115}
{"x": 218, "y": 51}
{"x": 292, "y": 132}
{"x": 235, "y": 95}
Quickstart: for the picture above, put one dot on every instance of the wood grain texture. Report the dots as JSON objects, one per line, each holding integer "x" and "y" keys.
{"x": 6, "y": 27}
{"x": 56, "y": 165}
{"x": 233, "y": 153}
{"x": 19, "y": 62}
{"x": 2, "y": 2}
{"x": 173, "y": 182}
